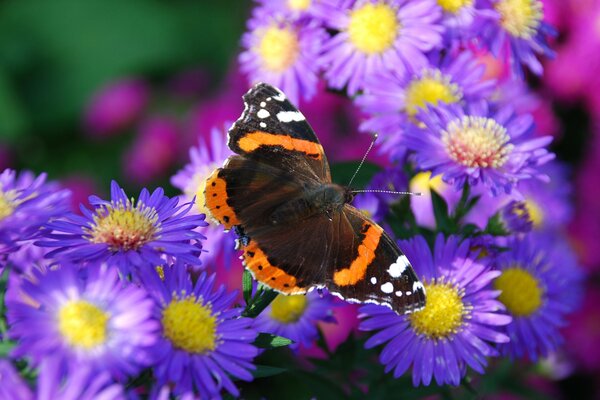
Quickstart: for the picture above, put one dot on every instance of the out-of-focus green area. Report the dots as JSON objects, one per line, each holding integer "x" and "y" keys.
{"x": 55, "y": 54}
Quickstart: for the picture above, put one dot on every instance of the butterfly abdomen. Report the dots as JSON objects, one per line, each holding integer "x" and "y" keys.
{"x": 321, "y": 199}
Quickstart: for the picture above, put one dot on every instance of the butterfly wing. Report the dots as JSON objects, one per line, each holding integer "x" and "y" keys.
{"x": 272, "y": 130}
{"x": 377, "y": 272}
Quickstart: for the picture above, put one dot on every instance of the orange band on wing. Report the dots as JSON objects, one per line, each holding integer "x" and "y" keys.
{"x": 366, "y": 253}
{"x": 256, "y": 261}
{"x": 215, "y": 198}
{"x": 254, "y": 140}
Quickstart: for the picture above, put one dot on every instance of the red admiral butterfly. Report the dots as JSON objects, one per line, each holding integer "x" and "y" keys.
{"x": 296, "y": 228}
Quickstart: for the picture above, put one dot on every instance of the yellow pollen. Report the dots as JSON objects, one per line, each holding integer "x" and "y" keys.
{"x": 443, "y": 314}
{"x": 160, "y": 270}
{"x": 123, "y": 227}
{"x": 454, "y": 6}
{"x": 83, "y": 324}
{"x": 189, "y": 324}
{"x": 521, "y": 18}
{"x": 433, "y": 88}
{"x": 288, "y": 309}
{"x": 299, "y": 5}
{"x": 7, "y": 205}
{"x": 423, "y": 183}
{"x": 373, "y": 28}
{"x": 278, "y": 48}
{"x": 521, "y": 291}
{"x": 535, "y": 213}
{"x": 477, "y": 142}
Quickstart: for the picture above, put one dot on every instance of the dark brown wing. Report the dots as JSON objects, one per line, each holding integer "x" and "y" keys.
{"x": 273, "y": 131}
{"x": 378, "y": 271}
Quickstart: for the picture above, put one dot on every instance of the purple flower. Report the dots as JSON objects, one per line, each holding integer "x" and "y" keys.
{"x": 81, "y": 383}
{"x": 295, "y": 317}
{"x": 283, "y": 52}
{"x": 96, "y": 320}
{"x": 475, "y": 146}
{"x": 293, "y": 9}
{"x": 377, "y": 36}
{"x": 128, "y": 233}
{"x": 26, "y": 203}
{"x": 116, "y": 106}
{"x": 518, "y": 34}
{"x": 191, "y": 180}
{"x": 463, "y": 20}
{"x": 515, "y": 217}
{"x": 459, "y": 324}
{"x": 204, "y": 341}
{"x": 393, "y": 101}
{"x": 540, "y": 283}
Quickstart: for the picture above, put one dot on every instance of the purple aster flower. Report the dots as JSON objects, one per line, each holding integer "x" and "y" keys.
{"x": 476, "y": 146}
{"x": 377, "y": 36}
{"x": 204, "y": 342}
{"x": 295, "y": 317}
{"x": 294, "y": 9}
{"x": 463, "y": 19}
{"x": 128, "y": 233}
{"x": 393, "y": 101}
{"x": 26, "y": 203}
{"x": 99, "y": 321}
{"x": 283, "y": 53}
{"x": 457, "y": 328}
{"x": 518, "y": 34}
{"x": 515, "y": 217}
{"x": 81, "y": 383}
{"x": 191, "y": 180}
{"x": 540, "y": 283}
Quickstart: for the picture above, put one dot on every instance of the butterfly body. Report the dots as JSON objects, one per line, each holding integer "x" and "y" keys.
{"x": 297, "y": 229}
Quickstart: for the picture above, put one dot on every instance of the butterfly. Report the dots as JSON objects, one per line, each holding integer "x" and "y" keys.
{"x": 297, "y": 229}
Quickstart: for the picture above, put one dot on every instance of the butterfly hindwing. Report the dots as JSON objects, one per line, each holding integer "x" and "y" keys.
{"x": 272, "y": 130}
{"x": 379, "y": 273}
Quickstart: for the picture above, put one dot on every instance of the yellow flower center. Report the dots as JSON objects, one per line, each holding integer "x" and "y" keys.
{"x": 443, "y": 314}
{"x": 123, "y": 227}
{"x": 299, "y": 5}
{"x": 424, "y": 183}
{"x": 83, "y": 324}
{"x": 279, "y": 48}
{"x": 288, "y": 309}
{"x": 521, "y": 18}
{"x": 7, "y": 205}
{"x": 521, "y": 291}
{"x": 433, "y": 88}
{"x": 190, "y": 325}
{"x": 454, "y": 6}
{"x": 477, "y": 142}
{"x": 535, "y": 213}
{"x": 373, "y": 27}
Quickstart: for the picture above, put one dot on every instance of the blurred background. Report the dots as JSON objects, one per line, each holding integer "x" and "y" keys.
{"x": 109, "y": 89}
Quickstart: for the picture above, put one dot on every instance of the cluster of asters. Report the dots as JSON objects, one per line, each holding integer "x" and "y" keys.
{"x": 442, "y": 83}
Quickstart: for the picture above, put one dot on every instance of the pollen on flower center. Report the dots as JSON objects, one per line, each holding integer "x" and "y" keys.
{"x": 433, "y": 88}
{"x": 535, "y": 212}
{"x": 288, "y": 309}
{"x": 477, "y": 142}
{"x": 521, "y": 291}
{"x": 278, "y": 48}
{"x": 83, "y": 324}
{"x": 443, "y": 314}
{"x": 299, "y": 5}
{"x": 123, "y": 227}
{"x": 454, "y": 6}
{"x": 190, "y": 325}
{"x": 521, "y": 18}
{"x": 373, "y": 27}
{"x": 7, "y": 205}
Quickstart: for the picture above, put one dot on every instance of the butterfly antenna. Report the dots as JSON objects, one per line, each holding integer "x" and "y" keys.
{"x": 386, "y": 191}
{"x": 363, "y": 159}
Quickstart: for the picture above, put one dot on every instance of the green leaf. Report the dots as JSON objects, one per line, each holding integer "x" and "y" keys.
{"x": 259, "y": 302}
{"x": 495, "y": 227}
{"x": 268, "y": 341}
{"x": 247, "y": 285}
{"x": 440, "y": 210}
{"x": 263, "y": 371}
{"x": 5, "y": 348}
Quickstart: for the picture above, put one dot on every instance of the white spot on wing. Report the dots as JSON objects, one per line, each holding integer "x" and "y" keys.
{"x": 397, "y": 269}
{"x": 399, "y": 293}
{"x": 418, "y": 285}
{"x": 289, "y": 116}
{"x": 262, "y": 113}
{"x": 387, "y": 287}
{"x": 263, "y": 125}
{"x": 373, "y": 280}
{"x": 263, "y": 104}
{"x": 280, "y": 96}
